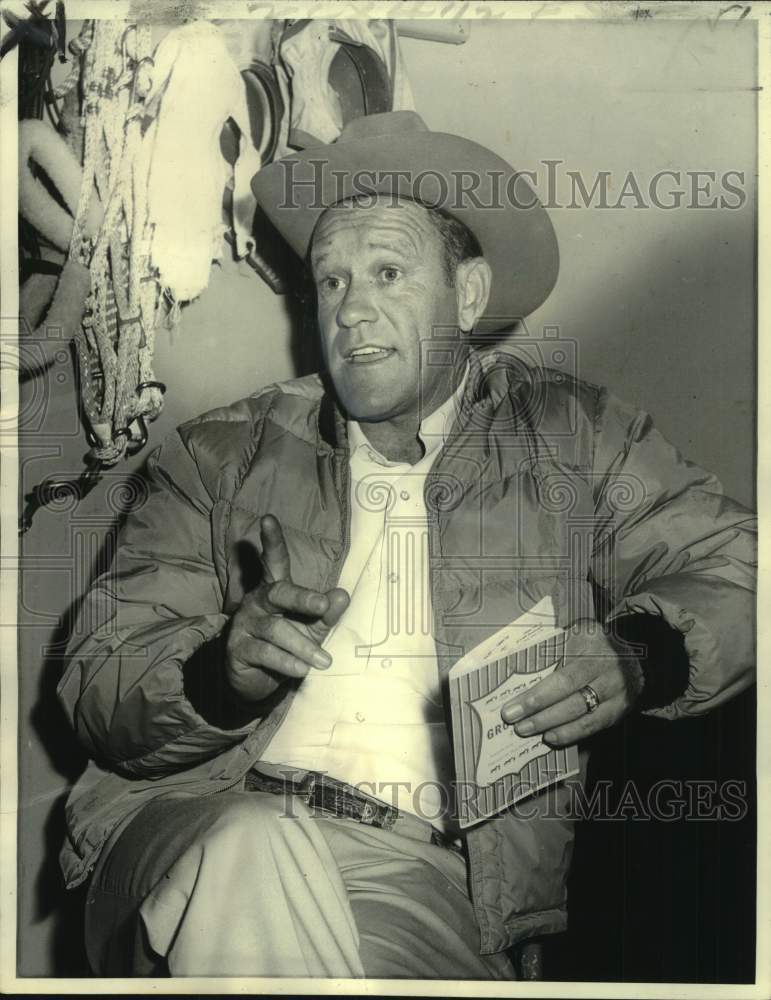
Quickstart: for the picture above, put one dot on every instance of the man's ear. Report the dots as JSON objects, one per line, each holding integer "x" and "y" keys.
{"x": 473, "y": 278}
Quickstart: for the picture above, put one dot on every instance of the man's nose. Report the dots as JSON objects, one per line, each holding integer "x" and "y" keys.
{"x": 358, "y": 305}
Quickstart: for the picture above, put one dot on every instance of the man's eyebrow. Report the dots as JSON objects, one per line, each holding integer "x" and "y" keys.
{"x": 401, "y": 244}
{"x": 319, "y": 253}
{"x": 401, "y": 237}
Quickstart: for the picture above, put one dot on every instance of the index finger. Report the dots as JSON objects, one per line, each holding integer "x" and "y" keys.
{"x": 275, "y": 554}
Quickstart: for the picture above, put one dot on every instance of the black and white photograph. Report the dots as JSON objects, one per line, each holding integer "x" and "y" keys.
{"x": 382, "y": 449}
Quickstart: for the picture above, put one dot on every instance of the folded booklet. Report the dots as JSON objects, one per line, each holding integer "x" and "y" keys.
{"x": 494, "y": 766}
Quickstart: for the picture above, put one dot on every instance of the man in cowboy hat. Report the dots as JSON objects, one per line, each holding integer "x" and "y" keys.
{"x": 397, "y": 509}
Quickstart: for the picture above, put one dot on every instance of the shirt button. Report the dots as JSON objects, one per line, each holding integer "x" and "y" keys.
{"x": 386, "y": 663}
{"x": 404, "y": 495}
{"x": 360, "y": 717}
{"x": 393, "y": 577}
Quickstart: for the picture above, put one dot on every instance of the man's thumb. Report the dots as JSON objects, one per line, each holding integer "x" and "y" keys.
{"x": 338, "y": 602}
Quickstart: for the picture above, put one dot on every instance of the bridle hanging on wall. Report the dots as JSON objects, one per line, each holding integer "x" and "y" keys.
{"x": 322, "y": 75}
{"x": 332, "y": 71}
{"x": 265, "y": 105}
{"x": 369, "y": 92}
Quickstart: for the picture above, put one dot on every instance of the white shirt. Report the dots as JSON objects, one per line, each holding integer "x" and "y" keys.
{"x": 374, "y": 718}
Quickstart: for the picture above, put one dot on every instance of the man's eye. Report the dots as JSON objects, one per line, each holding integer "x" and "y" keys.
{"x": 330, "y": 284}
{"x": 390, "y": 274}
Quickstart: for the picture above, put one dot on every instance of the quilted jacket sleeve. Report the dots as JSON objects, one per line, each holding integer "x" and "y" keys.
{"x": 672, "y": 544}
{"x": 140, "y": 622}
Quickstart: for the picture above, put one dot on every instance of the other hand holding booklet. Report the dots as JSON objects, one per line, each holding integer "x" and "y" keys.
{"x": 494, "y": 766}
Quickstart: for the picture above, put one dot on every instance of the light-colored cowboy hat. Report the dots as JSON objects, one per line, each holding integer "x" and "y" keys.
{"x": 395, "y": 153}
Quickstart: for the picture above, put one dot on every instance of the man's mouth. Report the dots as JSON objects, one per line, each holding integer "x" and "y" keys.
{"x": 368, "y": 354}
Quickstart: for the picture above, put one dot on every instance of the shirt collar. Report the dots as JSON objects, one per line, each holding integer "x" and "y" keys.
{"x": 433, "y": 432}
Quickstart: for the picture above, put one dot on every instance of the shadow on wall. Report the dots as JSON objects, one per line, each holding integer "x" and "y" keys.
{"x": 68, "y": 759}
{"x": 300, "y": 297}
{"x": 662, "y": 888}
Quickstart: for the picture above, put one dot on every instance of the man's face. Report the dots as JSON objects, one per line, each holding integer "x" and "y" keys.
{"x": 381, "y": 291}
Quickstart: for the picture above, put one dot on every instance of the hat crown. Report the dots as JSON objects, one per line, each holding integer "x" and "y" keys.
{"x": 394, "y": 152}
{"x": 385, "y": 123}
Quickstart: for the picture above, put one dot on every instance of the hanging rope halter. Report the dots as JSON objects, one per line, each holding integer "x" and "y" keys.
{"x": 159, "y": 217}
{"x": 116, "y": 341}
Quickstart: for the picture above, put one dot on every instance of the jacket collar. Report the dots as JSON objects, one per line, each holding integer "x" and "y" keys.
{"x": 490, "y": 378}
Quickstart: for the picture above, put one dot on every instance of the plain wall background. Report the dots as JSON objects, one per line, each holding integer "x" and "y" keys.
{"x": 660, "y": 305}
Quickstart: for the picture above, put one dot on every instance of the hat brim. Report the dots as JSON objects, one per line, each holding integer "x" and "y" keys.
{"x": 445, "y": 171}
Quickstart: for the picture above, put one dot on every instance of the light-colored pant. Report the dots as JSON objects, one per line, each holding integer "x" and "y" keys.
{"x": 231, "y": 885}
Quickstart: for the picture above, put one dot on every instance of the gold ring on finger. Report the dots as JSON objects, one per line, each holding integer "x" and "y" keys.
{"x": 591, "y": 698}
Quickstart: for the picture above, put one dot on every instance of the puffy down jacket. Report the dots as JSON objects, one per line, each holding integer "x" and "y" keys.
{"x": 545, "y": 485}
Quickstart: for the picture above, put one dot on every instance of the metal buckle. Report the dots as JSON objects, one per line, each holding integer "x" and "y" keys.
{"x": 369, "y": 814}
